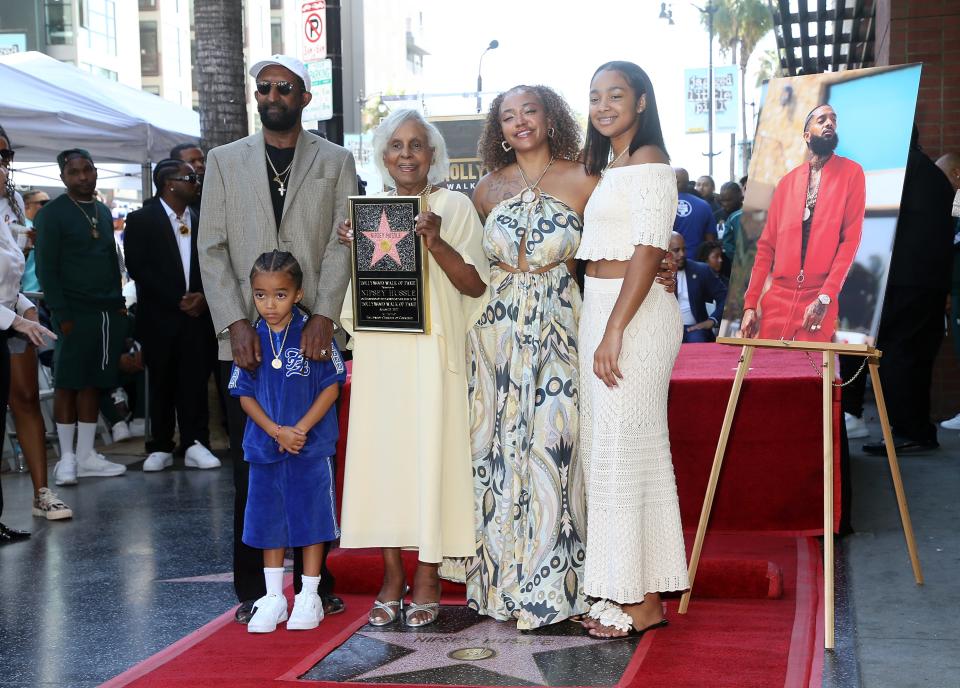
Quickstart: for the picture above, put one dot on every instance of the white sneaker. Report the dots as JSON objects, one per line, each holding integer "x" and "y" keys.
{"x": 48, "y": 505}
{"x": 307, "y": 612}
{"x": 268, "y": 611}
{"x": 95, "y": 465}
{"x": 157, "y": 461}
{"x": 120, "y": 431}
{"x": 856, "y": 427}
{"x": 951, "y": 423}
{"x": 137, "y": 427}
{"x": 198, "y": 456}
{"x": 65, "y": 470}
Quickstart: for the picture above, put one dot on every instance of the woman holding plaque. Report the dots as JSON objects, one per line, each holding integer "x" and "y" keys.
{"x": 528, "y": 484}
{"x": 407, "y": 483}
{"x": 629, "y": 338}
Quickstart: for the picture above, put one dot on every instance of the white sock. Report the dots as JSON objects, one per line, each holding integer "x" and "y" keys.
{"x": 65, "y": 435}
{"x": 86, "y": 436}
{"x": 274, "y": 580}
{"x": 310, "y": 584}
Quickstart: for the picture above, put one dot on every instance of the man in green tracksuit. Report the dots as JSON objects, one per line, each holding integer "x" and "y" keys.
{"x": 78, "y": 270}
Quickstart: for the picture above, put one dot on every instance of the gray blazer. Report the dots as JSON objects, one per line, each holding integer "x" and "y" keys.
{"x": 237, "y": 224}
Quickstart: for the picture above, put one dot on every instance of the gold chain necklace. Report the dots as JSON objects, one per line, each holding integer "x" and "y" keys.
{"x": 94, "y": 222}
{"x": 613, "y": 162}
{"x": 278, "y": 177}
{"x": 529, "y": 194}
{"x": 276, "y": 362}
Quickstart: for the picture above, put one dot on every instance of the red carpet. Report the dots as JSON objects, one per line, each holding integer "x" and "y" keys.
{"x": 739, "y": 643}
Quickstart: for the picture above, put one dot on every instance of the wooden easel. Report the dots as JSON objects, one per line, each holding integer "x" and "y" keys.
{"x": 828, "y": 351}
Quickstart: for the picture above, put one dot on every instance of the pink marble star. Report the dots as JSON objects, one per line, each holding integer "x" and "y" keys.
{"x": 384, "y": 241}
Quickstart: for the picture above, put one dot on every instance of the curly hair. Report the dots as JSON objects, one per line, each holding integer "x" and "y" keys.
{"x": 564, "y": 144}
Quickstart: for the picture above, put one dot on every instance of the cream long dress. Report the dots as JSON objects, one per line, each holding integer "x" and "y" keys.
{"x": 408, "y": 480}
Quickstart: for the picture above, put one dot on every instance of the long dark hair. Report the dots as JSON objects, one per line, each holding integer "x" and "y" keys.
{"x": 10, "y": 190}
{"x": 597, "y": 151}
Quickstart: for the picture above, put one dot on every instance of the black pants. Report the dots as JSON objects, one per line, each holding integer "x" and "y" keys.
{"x": 248, "y": 561}
{"x": 911, "y": 330}
{"x": 179, "y": 365}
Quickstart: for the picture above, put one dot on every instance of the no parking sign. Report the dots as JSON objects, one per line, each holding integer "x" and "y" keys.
{"x": 313, "y": 37}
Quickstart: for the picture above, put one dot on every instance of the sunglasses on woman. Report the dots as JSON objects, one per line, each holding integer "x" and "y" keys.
{"x": 6, "y": 154}
{"x": 284, "y": 87}
{"x": 190, "y": 178}
{"x": 42, "y": 202}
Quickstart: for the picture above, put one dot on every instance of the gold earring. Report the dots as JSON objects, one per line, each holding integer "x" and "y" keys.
{"x": 506, "y": 146}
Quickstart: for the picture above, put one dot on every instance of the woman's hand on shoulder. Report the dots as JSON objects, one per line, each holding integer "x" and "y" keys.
{"x": 648, "y": 154}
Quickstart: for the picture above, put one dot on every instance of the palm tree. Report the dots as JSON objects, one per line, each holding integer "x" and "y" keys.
{"x": 739, "y": 25}
{"x": 219, "y": 69}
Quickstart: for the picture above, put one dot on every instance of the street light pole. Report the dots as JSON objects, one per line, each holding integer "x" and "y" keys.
{"x": 493, "y": 45}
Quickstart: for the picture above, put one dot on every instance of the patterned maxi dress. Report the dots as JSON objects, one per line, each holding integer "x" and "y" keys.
{"x": 528, "y": 483}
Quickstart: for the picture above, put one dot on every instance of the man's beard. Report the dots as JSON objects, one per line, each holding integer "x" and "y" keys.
{"x": 821, "y": 146}
{"x": 284, "y": 120}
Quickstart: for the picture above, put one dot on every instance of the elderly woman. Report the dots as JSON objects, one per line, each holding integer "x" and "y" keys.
{"x": 408, "y": 476}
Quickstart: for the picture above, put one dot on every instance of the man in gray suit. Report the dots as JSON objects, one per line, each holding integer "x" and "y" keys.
{"x": 286, "y": 189}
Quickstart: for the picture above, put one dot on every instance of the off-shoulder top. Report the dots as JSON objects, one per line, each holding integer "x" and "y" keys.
{"x": 635, "y": 204}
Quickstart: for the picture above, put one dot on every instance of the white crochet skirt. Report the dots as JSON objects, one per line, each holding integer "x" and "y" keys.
{"x": 634, "y": 536}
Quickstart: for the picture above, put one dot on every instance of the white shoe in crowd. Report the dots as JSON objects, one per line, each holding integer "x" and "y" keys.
{"x": 307, "y": 612}
{"x": 65, "y": 470}
{"x": 157, "y": 461}
{"x": 856, "y": 427}
{"x": 268, "y": 611}
{"x": 198, "y": 456}
{"x": 951, "y": 423}
{"x": 121, "y": 431}
{"x": 137, "y": 427}
{"x": 48, "y": 505}
{"x": 95, "y": 465}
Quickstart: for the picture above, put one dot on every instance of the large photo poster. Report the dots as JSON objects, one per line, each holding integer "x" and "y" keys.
{"x": 811, "y": 249}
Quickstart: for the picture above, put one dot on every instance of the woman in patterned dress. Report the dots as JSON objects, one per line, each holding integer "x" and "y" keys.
{"x": 630, "y": 334}
{"x": 530, "y": 510}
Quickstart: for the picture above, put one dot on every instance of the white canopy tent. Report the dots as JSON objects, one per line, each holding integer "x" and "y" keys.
{"x": 48, "y": 106}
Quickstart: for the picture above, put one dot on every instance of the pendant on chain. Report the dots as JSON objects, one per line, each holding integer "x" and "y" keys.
{"x": 528, "y": 195}
{"x": 277, "y": 364}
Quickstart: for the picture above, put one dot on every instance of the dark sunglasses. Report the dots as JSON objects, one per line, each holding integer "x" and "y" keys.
{"x": 284, "y": 87}
{"x": 191, "y": 178}
{"x": 8, "y": 154}
{"x": 42, "y": 202}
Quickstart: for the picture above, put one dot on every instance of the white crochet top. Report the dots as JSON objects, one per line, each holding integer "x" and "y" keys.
{"x": 635, "y": 204}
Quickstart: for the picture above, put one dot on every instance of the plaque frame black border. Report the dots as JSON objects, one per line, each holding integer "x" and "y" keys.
{"x": 421, "y": 274}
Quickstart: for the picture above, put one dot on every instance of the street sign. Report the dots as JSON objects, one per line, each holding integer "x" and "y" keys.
{"x": 313, "y": 37}
{"x": 321, "y": 86}
{"x": 726, "y": 104}
{"x": 12, "y": 43}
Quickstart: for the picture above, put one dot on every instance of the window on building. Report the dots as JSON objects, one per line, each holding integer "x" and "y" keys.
{"x": 58, "y": 17}
{"x": 276, "y": 37}
{"x": 100, "y": 71}
{"x": 99, "y": 18}
{"x": 155, "y": 90}
{"x": 276, "y": 4}
{"x": 148, "y": 5}
{"x": 149, "y": 50}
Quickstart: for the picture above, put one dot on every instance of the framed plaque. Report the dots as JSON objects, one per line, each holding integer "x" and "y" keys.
{"x": 389, "y": 266}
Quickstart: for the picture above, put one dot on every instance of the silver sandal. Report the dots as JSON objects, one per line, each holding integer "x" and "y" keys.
{"x": 431, "y": 609}
{"x": 392, "y": 609}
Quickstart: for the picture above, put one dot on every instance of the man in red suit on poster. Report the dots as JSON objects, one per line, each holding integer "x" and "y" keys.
{"x": 808, "y": 243}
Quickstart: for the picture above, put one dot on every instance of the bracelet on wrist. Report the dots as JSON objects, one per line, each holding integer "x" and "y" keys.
{"x": 276, "y": 433}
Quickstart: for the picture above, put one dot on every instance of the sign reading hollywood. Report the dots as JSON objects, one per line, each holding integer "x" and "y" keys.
{"x": 389, "y": 271}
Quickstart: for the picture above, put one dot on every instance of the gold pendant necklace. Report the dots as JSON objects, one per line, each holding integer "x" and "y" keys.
{"x": 276, "y": 363}
{"x": 280, "y": 177}
{"x": 183, "y": 229}
{"x": 94, "y": 222}
{"x": 529, "y": 194}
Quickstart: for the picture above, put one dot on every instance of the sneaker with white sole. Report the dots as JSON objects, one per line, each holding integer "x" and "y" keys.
{"x": 48, "y": 505}
{"x": 951, "y": 423}
{"x": 198, "y": 456}
{"x": 856, "y": 427}
{"x": 95, "y": 465}
{"x": 137, "y": 427}
{"x": 65, "y": 470}
{"x": 157, "y": 461}
{"x": 120, "y": 431}
{"x": 268, "y": 611}
{"x": 307, "y": 612}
